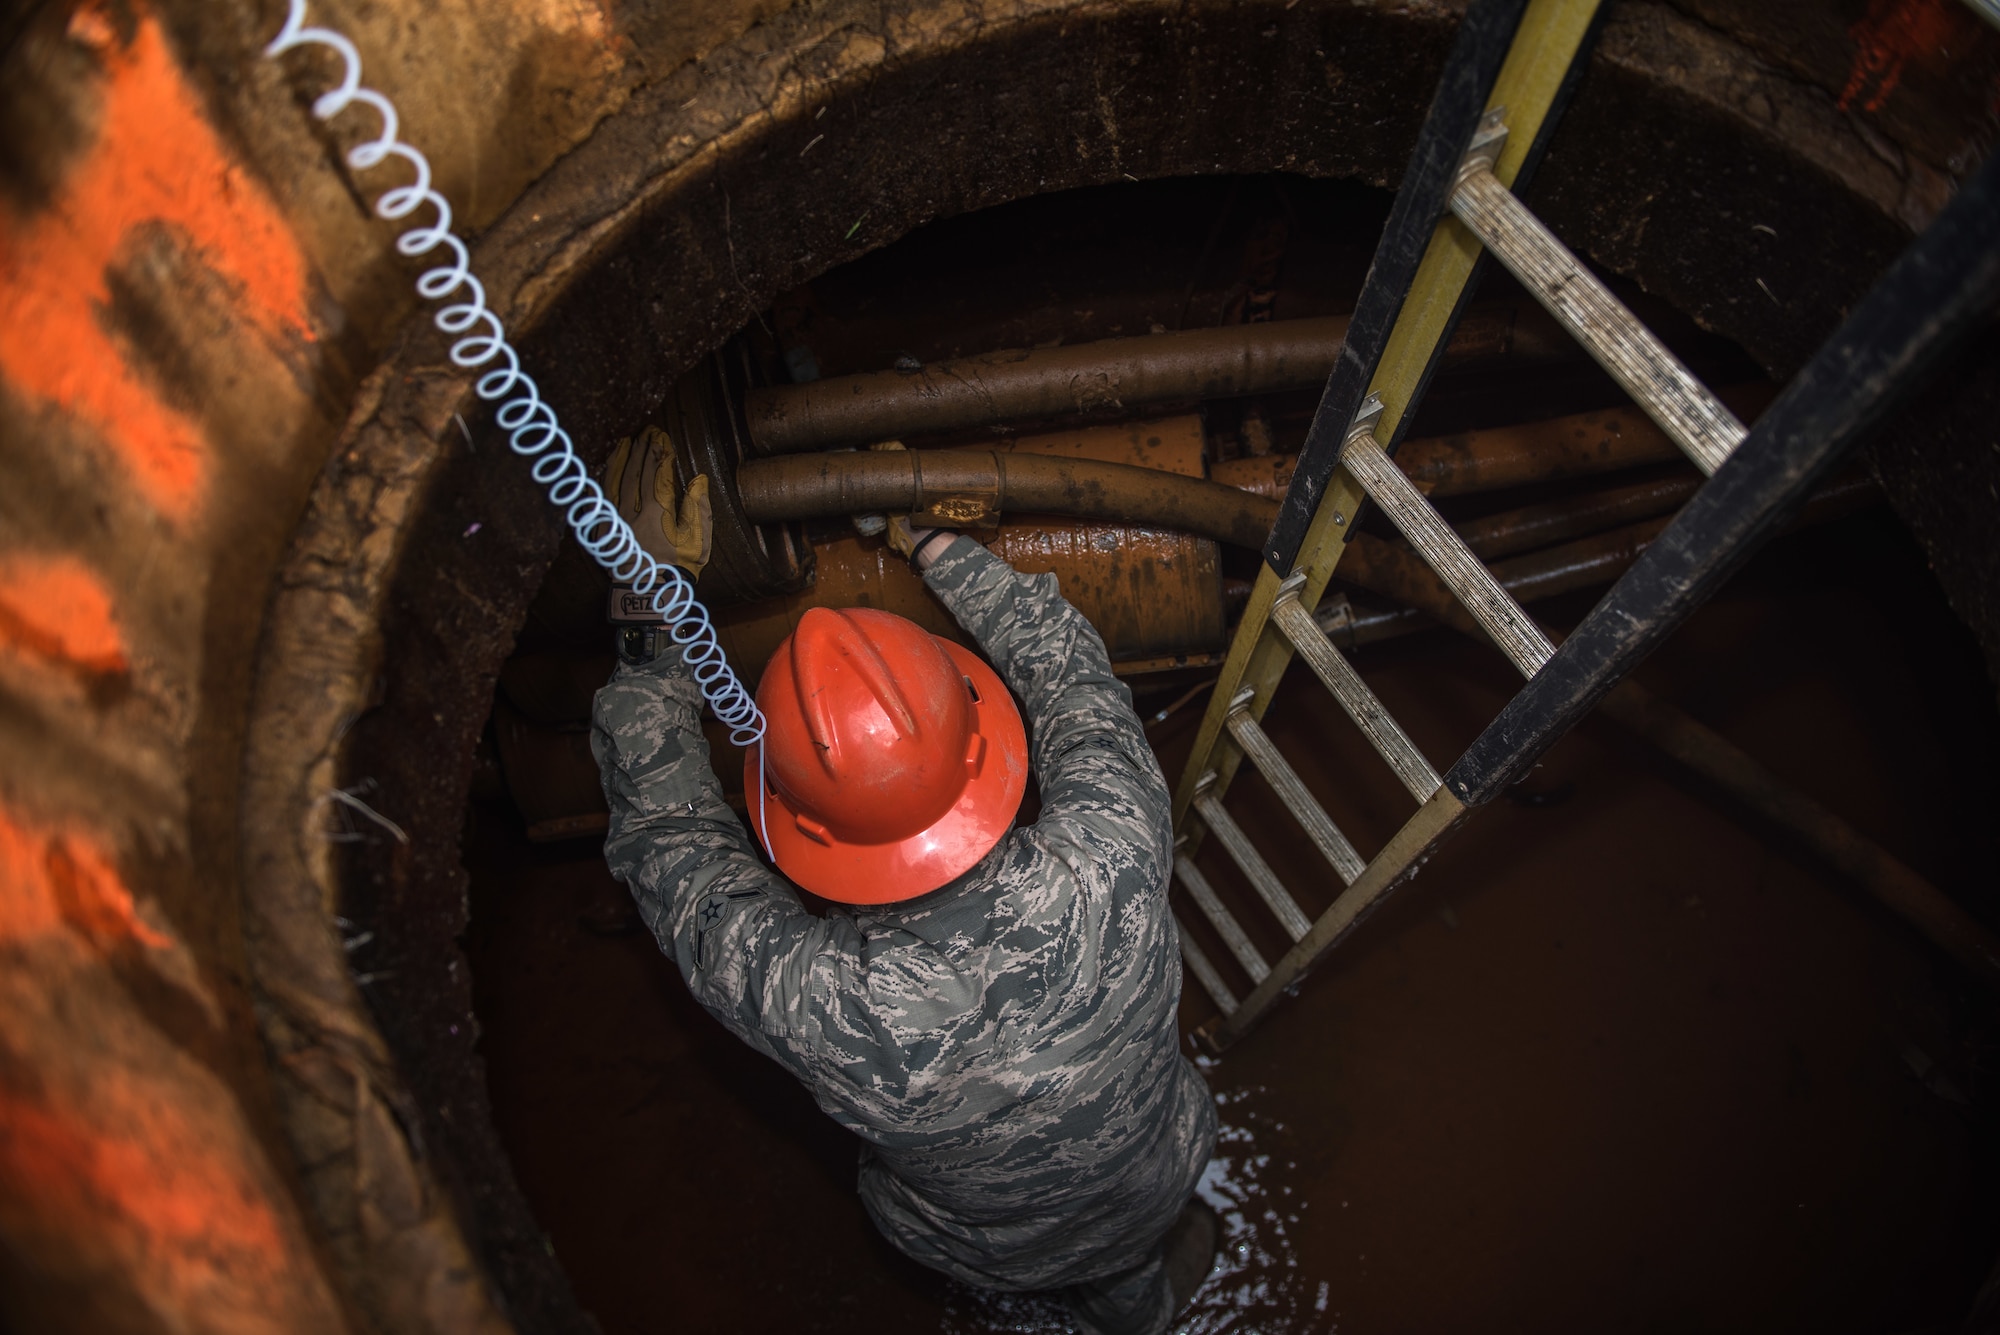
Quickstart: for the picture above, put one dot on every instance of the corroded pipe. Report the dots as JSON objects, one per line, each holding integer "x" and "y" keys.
{"x": 964, "y": 486}
{"x": 976, "y": 486}
{"x": 1582, "y": 443}
{"x": 1535, "y": 526}
{"x": 972, "y": 486}
{"x": 1110, "y": 375}
{"x": 1495, "y": 457}
{"x": 1510, "y": 456}
{"x": 1396, "y": 572}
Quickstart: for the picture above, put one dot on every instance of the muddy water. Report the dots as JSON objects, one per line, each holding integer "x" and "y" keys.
{"x": 1620, "y": 1059}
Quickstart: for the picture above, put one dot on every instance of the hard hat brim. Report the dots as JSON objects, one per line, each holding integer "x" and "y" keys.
{"x": 952, "y": 845}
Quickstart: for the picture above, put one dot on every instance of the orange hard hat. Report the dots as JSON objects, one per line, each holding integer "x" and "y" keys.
{"x": 892, "y": 760}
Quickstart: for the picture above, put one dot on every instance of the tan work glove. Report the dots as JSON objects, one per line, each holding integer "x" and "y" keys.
{"x": 639, "y": 480}
{"x": 921, "y": 545}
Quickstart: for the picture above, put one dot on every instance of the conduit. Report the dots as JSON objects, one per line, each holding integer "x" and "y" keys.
{"x": 1108, "y": 375}
{"x": 1465, "y": 462}
{"x": 964, "y": 486}
{"x": 974, "y": 486}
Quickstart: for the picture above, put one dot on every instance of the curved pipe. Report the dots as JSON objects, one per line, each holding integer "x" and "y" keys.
{"x": 1108, "y": 375}
{"x": 969, "y": 486}
{"x": 1494, "y": 458}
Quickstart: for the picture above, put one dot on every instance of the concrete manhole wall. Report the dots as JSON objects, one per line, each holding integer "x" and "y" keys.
{"x": 263, "y": 555}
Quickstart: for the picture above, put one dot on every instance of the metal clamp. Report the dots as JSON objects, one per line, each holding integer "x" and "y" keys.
{"x": 1487, "y": 142}
{"x": 1288, "y": 591}
{"x": 1365, "y": 418}
{"x": 959, "y": 488}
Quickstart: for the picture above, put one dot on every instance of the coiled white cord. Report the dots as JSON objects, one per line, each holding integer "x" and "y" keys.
{"x": 531, "y": 426}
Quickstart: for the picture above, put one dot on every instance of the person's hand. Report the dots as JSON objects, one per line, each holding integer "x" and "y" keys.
{"x": 692, "y": 535}
{"x": 903, "y": 536}
{"x": 921, "y": 545}
{"x": 672, "y": 525}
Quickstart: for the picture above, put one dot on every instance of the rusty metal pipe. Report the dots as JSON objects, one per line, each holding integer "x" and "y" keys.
{"x": 1572, "y": 446}
{"x": 1396, "y": 572}
{"x": 1536, "y": 526}
{"x": 1490, "y": 459}
{"x": 1384, "y": 568}
{"x": 965, "y": 486}
{"x": 968, "y": 486}
{"x": 1111, "y": 375}
{"x": 1513, "y": 456}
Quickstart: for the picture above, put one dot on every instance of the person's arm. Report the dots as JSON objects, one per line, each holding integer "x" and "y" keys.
{"x": 1096, "y": 770}
{"x": 745, "y": 944}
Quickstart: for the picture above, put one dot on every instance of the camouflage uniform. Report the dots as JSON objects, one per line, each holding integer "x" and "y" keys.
{"x": 1005, "y": 1046}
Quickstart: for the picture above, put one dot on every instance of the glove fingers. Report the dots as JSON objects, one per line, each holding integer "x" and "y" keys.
{"x": 694, "y": 536}
{"x": 639, "y": 480}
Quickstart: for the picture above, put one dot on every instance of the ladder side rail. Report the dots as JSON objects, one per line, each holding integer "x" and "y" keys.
{"x": 1936, "y": 290}
{"x": 1486, "y": 37}
{"x": 1257, "y": 659}
{"x": 1658, "y": 382}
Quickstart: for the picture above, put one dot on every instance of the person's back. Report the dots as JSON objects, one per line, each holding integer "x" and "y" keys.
{"x": 1005, "y": 1045}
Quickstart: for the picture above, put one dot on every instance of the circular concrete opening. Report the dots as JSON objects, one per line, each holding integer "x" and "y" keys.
{"x": 483, "y": 960}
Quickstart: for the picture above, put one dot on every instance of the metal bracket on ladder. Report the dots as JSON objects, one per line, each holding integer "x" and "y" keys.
{"x": 1402, "y": 318}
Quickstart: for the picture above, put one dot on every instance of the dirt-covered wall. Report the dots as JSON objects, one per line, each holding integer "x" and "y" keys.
{"x": 191, "y": 292}
{"x": 236, "y": 536}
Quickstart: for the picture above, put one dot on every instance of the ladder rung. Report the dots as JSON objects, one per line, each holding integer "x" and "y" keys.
{"x": 1219, "y": 917}
{"x": 1473, "y": 585}
{"x": 1248, "y": 860}
{"x": 1291, "y": 790}
{"x": 1204, "y": 970}
{"x": 1653, "y": 376}
{"x": 1389, "y": 740}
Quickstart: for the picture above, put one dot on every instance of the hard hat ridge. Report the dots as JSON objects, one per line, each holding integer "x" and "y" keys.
{"x": 894, "y": 760}
{"x": 828, "y": 642}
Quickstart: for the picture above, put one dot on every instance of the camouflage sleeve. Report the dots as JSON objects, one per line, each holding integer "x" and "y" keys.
{"x": 1090, "y": 754}
{"x": 746, "y": 946}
